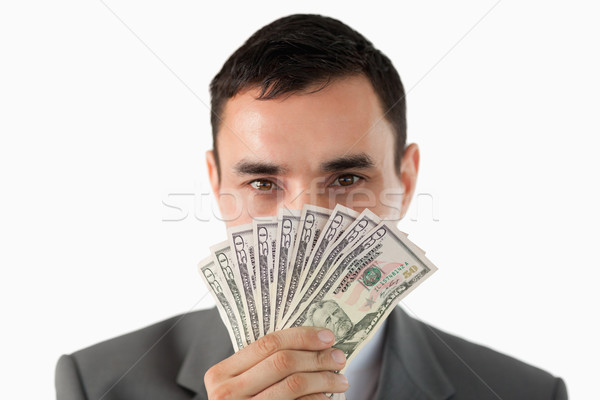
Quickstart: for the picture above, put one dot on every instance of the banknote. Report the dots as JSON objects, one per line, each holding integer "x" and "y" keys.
{"x": 343, "y": 227}
{"x": 337, "y": 269}
{"x": 265, "y": 230}
{"x": 215, "y": 282}
{"x": 363, "y": 287}
{"x": 241, "y": 241}
{"x": 339, "y": 220}
{"x": 287, "y": 226}
{"x": 361, "y": 226}
{"x": 312, "y": 221}
{"x": 221, "y": 254}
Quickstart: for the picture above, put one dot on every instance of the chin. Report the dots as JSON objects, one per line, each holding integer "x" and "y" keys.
{"x": 343, "y": 330}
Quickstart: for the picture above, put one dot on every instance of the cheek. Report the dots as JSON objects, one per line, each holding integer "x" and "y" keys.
{"x": 370, "y": 195}
{"x": 241, "y": 206}
{"x": 262, "y": 205}
{"x": 389, "y": 199}
{"x": 331, "y": 326}
{"x": 363, "y": 197}
{"x": 343, "y": 328}
{"x": 230, "y": 204}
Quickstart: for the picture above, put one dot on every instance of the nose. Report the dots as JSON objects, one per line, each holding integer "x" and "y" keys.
{"x": 313, "y": 193}
{"x": 295, "y": 201}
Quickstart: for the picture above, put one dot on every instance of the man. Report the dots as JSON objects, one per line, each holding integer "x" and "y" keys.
{"x": 306, "y": 111}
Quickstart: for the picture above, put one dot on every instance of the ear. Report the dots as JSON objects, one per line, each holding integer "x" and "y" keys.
{"x": 409, "y": 169}
{"x": 213, "y": 174}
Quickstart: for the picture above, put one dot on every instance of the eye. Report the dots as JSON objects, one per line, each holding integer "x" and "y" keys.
{"x": 263, "y": 185}
{"x": 346, "y": 180}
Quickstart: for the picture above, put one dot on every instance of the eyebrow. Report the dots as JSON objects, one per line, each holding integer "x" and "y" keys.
{"x": 353, "y": 161}
{"x": 245, "y": 167}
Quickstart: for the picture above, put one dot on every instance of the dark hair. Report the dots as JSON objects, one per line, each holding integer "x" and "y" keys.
{"x": 298, "y": 51}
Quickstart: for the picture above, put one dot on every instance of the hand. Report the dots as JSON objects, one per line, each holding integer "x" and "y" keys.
{"x": 287, "y": 364}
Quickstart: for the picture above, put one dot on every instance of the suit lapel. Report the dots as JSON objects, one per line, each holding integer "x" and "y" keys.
{"x": 410, "y": 369}
{"x": 211, "y": 346}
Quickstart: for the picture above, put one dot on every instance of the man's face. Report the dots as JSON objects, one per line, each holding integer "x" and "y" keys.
{"x": 332, "y": 317}
{"x": 332, "y": 146}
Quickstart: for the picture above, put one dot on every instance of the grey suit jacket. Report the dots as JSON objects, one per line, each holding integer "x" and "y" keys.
{"x": 168, "y": 360}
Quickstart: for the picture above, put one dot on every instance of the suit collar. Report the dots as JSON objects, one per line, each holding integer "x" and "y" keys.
{"x": 410, "y": 369}
{"x": 211, "y": 346}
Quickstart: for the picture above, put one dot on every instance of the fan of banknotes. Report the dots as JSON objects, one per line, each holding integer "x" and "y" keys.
{"x": 335, "y": 269}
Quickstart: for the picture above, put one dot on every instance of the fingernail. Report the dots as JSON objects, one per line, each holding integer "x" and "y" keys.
{"x": 326, "y": 336}
{"x": 338, "y": 356}
{"x": 343, "y": 379}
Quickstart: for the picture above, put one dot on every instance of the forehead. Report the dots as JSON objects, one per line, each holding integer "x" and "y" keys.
{"x": 344, "y": 116}
{"x": 329, "y": 307}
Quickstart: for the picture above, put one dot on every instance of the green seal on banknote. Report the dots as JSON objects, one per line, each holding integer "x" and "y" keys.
{"x": 371, "y": 276}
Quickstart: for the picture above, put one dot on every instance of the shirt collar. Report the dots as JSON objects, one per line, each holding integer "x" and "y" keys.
{"x": 364, "y": 369}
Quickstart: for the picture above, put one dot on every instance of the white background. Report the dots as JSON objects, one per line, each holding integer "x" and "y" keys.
{"x": 97, "y": 132}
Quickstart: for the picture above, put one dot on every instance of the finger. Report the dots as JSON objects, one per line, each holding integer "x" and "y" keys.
{"x": 300, "y": 338}
{"x": 316, "y": 396}
{"x": 287, "y": 362}
{"x": 336, "y": 396}
{"x": 305, "y": 383}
